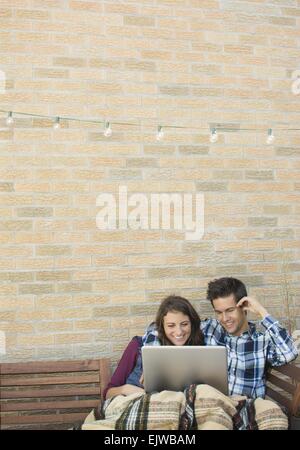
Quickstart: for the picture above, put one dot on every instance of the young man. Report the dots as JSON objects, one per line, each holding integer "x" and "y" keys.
{"x": 249, "y": 351}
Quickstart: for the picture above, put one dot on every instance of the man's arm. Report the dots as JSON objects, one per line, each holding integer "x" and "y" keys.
{"x": 281, "y": 348}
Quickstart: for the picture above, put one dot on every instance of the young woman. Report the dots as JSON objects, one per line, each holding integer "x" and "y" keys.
{"x": 177, "y": 323}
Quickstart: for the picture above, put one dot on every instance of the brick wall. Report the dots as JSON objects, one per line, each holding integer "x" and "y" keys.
{"x": 70, "y": 290}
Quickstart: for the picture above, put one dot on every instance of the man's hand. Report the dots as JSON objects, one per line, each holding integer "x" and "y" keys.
{"x": 252, "y": 304}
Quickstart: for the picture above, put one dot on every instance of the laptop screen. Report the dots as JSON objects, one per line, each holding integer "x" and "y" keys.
{"x": 176, "y": 367}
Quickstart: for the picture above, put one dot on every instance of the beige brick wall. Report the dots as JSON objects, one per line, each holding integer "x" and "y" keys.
{"x": 69, "y": 290}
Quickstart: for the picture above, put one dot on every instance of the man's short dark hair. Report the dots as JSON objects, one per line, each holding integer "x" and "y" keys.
{"x": 224, "y": 287}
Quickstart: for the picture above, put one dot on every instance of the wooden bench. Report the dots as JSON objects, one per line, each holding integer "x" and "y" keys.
{"x": 59, "y": 394}
{"x": 50, "y": 394}
{"x": 283, "y": 386}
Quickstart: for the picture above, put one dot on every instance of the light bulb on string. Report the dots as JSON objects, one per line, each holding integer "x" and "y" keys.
{"x": 56, "y": 125}
{"x": 9, "y": 120}
{"x": 160, "y": 134}
{"x": 107, "y": 131}
{"x": 271, "y": 137}
{"x": 213, "y": 135}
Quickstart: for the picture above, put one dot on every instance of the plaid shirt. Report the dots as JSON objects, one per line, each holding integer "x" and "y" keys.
{"x": 248, "y": 355}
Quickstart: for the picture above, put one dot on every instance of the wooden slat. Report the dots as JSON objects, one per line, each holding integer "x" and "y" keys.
{"x": 291, "y": 370}
{"x": 39, "y": 427}
{"x": 49, "y": 367}
{"x": 31, "y": 406}
{"x": 46, "y": 418}
{"x": 12, "y": 381}
{"x": 296, "y": 401}
{"x": 278, "y": 397}
{"x": 37, "y": 393}
{"x": 281, "y": 383}
{"x": 104, "y": 367}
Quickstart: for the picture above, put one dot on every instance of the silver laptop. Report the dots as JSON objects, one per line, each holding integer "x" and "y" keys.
{"x": 173, "y": 368}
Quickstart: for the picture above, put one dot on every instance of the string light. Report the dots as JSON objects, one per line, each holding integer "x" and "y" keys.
{"x": 9, "y": 120}
{"x": 213, "y": 135}
{"x": 271, "y": 137}
{"x": 56, "y": 124}
{"x": 160, "y": 134}
{"x": 107, "y": 131}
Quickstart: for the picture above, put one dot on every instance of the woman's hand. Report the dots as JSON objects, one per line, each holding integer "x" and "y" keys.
{"x": 128, "y": 389}
{"x": 125, "y": 389}
{"x": 141, "y": 380}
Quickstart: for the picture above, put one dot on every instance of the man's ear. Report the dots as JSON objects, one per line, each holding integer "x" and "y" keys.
{"x": 244, "y": 310}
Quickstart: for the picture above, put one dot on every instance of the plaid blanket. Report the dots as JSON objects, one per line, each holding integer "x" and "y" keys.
{"x": 199, "y": 407}
{"x": 244, "y": 418}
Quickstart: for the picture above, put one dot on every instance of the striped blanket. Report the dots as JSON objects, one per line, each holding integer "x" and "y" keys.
{"x": 199, "y": 407}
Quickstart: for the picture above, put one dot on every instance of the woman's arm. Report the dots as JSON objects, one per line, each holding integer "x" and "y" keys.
{"x": 126, "y": 389}
{"x": 117, "y": 383}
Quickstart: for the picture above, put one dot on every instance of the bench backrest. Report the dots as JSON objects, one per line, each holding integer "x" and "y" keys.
{"x": 283, "y": 386}
{"x": 50, "y": 394}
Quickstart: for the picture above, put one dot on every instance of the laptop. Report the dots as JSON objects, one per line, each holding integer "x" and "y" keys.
{"x": 173, "y": 368}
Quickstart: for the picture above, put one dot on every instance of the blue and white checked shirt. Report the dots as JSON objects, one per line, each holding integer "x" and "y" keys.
{"x": 248, "y": 354}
